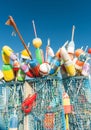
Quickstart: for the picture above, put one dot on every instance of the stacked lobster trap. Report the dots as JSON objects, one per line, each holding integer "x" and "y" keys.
{"x": 10, "y": 101}
{"x": 37, "y": 103}
{"x": 79, "y": 91}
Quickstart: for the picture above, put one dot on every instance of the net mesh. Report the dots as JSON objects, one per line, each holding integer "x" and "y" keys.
{"x": 46, "y": 114}
{"x": 79, "y": 91}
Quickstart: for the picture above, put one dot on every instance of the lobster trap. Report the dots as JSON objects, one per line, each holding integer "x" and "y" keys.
{"x": 10, "y": 100}
{"x": 79, "y": 90}
{"x": 47, "y": 111}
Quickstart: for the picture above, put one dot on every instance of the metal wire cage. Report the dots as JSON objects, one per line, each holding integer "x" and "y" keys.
{"x": 9, "y": 93}
{"x": 79, "y": 90}
{"x": 46, "y": 114}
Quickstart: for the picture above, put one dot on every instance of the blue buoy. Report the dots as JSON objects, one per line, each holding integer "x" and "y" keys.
{"x": 13, "y": 122}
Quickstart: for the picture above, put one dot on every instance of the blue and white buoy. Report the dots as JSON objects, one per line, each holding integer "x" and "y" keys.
{"x": 13, "y": 122}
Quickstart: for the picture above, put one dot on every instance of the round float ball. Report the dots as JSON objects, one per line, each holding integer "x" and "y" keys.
{"x": 89, "y": 50}
{"x": 37, "y": 42}
{"x": 78, "y": 52}
{"x": 44, "y": 69}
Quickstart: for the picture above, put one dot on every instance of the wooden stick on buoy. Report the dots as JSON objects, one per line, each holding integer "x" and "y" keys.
{"x": 11, "y": 22}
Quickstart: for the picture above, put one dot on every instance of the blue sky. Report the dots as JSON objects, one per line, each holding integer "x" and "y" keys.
{"x": 53, "y": 19}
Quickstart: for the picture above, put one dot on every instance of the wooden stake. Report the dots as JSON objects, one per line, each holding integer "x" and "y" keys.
{"x": 11, "y": 22}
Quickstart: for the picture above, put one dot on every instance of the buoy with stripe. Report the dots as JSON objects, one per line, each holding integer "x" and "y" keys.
{"x": 34, "y": 65}
{"x": 67, "y": 108}
{"x": 8, "y": 72}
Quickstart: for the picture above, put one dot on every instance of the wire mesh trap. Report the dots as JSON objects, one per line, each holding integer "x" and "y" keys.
{"x": 47, "y": 110}
{"x": 79, "y": 90}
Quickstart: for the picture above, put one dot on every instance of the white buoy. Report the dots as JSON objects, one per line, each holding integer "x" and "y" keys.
{"x": 49, "y": 51}
{"x": 71, "y": 45}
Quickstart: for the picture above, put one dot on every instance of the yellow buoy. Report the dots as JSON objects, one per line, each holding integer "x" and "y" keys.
{"x": 5, "y": 58}
{"x": 8, "y": 72}
{"x": 37, "y": 42}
